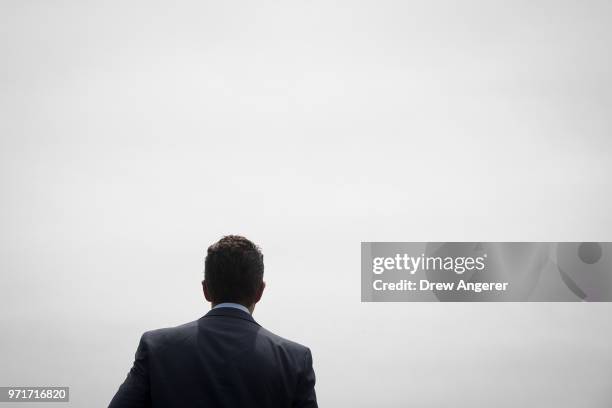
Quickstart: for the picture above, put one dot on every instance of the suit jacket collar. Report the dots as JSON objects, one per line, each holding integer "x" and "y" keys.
{"x": 232, "y": 313}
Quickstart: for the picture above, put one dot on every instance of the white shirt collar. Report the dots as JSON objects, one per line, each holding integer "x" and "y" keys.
{"x": 233, "y": 305}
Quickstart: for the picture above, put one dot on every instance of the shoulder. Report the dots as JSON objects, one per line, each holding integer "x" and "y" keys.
{"x": 287, "y": 345}
{"x": 280, "y": 353}
{"x": 169, "y": 335}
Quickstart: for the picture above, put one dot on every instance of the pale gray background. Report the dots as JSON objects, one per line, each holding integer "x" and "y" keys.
{"x": 134, "y": 134}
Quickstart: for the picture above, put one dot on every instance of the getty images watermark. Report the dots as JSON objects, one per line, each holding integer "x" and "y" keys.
{"x": 486, "y": 271}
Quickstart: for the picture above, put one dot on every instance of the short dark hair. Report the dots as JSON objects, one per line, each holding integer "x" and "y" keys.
{"x": 233, "y": 270}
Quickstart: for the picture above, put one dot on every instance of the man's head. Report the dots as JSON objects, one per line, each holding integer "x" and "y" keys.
{"x": 233, "y": 272}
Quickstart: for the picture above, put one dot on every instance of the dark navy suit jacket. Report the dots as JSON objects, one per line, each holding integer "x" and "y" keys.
{"x": 224, "y": 359}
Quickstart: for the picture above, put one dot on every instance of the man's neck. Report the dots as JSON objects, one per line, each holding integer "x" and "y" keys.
{"x": 232, "y": 305}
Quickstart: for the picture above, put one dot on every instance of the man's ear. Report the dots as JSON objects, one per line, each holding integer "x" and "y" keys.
{"x": 260, "y": 291}
{"x": 205, "y": 289}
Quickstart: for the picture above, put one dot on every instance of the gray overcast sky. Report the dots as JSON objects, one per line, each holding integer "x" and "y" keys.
{"x": 133, "y": 134}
